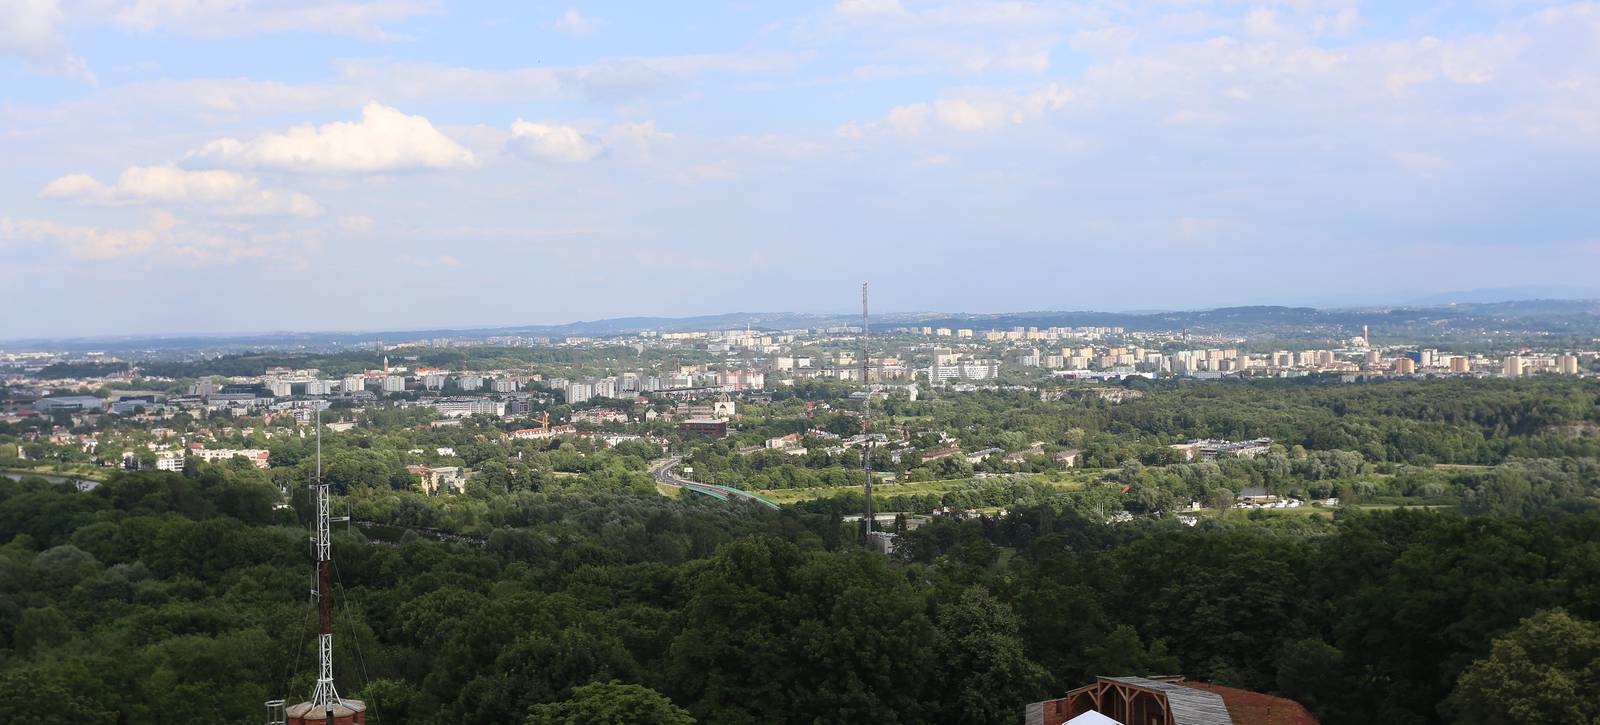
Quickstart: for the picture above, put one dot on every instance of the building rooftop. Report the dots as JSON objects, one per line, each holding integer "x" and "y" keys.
{"x": 1189, "y": 706}
{"x": 1176, "y": 702}
{"x": 1254, "y": 708}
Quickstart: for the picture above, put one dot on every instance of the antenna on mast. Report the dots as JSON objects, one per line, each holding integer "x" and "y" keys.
{"x": 866, "y": 420}
{"x": 325, "y": 705}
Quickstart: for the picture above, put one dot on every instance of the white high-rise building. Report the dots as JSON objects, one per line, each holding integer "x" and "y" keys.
{"x": 459, "y": 407}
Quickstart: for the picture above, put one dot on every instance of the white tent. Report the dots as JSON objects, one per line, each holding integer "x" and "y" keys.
{"x": 1091, "y": 718}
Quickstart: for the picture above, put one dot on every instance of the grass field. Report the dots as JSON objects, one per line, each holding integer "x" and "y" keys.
{"x": 92, "y": 473}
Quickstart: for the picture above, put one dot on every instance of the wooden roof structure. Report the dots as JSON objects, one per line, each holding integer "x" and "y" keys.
{"x": 1135, "y": 701}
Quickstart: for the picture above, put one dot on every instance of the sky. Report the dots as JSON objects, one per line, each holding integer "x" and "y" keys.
{"x": 247, "y": 165}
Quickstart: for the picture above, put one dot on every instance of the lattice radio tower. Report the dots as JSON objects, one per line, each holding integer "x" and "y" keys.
{"x": 325, "y": 705}
{"x": 866, "y": 421}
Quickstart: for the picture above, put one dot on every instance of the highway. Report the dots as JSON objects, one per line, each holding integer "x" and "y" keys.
{"x": 664, "y": 475}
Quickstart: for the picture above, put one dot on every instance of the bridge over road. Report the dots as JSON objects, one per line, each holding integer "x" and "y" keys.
{"x": 664, "y": 473}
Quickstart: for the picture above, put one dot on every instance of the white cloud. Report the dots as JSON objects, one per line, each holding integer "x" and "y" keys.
{"x": 384, "y": 140}
{"x": 229, "y": 18}
{"x": 974, "y": 109}
{"x": 1191, "y": 117}
{"x": 1418, "y": 163}
{"x": 609, "y": 79}
{"x": 1263, "y": 23}
{"x": 224, "y": 191}
{"x": 35, "y": 30}
{"x": 1343, "y": 22}
{"x": 869, "y": 8}
{"x": 1110, "y": 40}
{"x": 1031, "y": 55}
{"x": 970, "y": 38}
{"x": 957, "y": 15}
{"x": 909, "y": 120}
{"x": 31, "y": 30}
{"x": 211, "y": 99}
{"x": 442, "y": 260}
{"x": 163, "y": 237}
{"x": 1205, "y": 230}
{"x": 964, "y": 115}
{"x": 357, "y": 223}
{"x": 1049, "y": 98}
{"x": 574, "y": 23}
{"x": 552, "y": 143}
{"x": 635, "y": 138}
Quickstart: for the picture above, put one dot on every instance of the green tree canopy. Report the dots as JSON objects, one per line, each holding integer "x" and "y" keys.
{"x": 610, "y": 703}
{"x": 1546, "y": 670}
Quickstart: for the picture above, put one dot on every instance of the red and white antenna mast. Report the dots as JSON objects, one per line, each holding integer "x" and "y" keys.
{"x": 325, "y": 705}
{"x": 324, "y": 696}
{"x": 866, "y": 421}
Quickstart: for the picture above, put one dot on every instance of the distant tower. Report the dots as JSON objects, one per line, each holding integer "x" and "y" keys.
{"x": 866, "y": 420}
{"x": 325, "y": 705}
{"x": 1364, "y": 339}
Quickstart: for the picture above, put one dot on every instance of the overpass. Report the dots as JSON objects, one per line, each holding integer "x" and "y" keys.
{"x": 662, "y": 471}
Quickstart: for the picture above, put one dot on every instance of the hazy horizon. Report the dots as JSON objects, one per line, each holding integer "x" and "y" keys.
{"x": 399, "y": 165}
{"x": 886, "y": 317}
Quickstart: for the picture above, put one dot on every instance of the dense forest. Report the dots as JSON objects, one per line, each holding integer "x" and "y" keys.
{"x": 1456, "y": 583}
{"x": 181, "y": 597}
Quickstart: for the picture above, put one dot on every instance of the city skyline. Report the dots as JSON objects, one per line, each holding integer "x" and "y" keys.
{"x": 403, "y": 165}
{"x": 1356, "y": 318}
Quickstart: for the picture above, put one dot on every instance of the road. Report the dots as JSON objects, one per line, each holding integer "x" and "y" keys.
{"x": 662, "y": 471}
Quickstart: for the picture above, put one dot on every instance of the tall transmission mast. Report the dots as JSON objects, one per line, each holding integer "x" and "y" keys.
{"x": 324, "y": 695}
{"x": 866, "y": 419}
{"x": 325, "y": 705}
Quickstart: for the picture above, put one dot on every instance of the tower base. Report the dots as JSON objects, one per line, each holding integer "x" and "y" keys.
{"x": 346, "y": 712}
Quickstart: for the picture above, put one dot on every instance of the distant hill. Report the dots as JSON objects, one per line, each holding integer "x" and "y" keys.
{"x": 1576, "y": 318}
{"x": 1509, "y": 294}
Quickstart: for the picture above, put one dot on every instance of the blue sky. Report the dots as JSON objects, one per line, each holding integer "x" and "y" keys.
{"x": 206, "y": 165}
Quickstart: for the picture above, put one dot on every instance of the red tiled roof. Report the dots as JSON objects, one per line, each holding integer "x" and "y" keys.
{"x": 1254, "y": 708}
